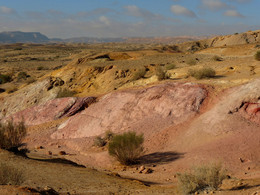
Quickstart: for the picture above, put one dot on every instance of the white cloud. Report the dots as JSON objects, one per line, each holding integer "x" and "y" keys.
{"x": 7, "y": 10}
{"x": 104, "y": 20}
{"x": 180, "y": 10}
{"x": 233, "y": 13}
{"x": 135, "y": 11}
{"x": 214, "y": 4}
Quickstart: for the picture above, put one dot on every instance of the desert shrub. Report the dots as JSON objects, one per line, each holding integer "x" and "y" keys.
{"x": 11, "y": 135}
{"x": 109, "y": 135}
{"x": 160, "y": 73}
{"x": 99, "y": 141}
{"x": 139, "y": 74}
{"x": 126, "y": 148}
{"x": 65, "y": 93}
{"x": 170, "y": 66}
{"x": 40, "y": 68}
{"x": 5, "y": 78}
{"x": 206, "y": 177}
{"x": 18, "y": 48}
{"x": 22, "y": 75}
{"x": 10, "y": 175}
{"x": 191, "y": 62}
{"x": 257, "y": 55}
{"x": 217, "y": 58}
{"x": 202, "y": 73}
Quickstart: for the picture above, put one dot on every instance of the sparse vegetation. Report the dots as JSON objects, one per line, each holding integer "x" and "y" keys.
{"x": 160, "y": 73}
{"x": 22, "y": 75}
{"x": 139, "y": 74}
{"x": 217, "y": 58}
{"x": 5, "y": 78}
{"x": 202, "y": 73}
{"x": 99, "y": 141}
{"x": 170, "y": 66}
{"x": 126, "y": 148}
{"x": 206, "y": 177}
{"x": 65, "y": 93}
{"x": 40, "y": 68}
{"x": 11, "y": 135}
{"x": 257, "y": 55}
{"x": 10, "y": 175}
{"x": 109, "y": 135}
{"x": 191, "y": 62}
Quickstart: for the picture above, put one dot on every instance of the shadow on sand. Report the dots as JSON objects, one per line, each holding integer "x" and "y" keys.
{"x": 159, "y": 158}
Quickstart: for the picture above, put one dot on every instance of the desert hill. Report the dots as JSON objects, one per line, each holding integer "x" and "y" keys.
{"x": 82, "y": 91}
{"x": 24, "y": 37}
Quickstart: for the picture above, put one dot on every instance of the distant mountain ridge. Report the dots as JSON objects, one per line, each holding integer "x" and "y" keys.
{"x": 23, "y": 37}
{"x": 37, "y": 37}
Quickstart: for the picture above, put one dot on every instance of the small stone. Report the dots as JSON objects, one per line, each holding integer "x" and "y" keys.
{"x": 62, "y": 153}
{"x": 39, "y": 147}
{"x": 196, "y": 193}
{"x": 248, "y": 168}
{"x": 147, "y": 171}
{"x": 49, "y": 153}
{"x": 141, "y": 169}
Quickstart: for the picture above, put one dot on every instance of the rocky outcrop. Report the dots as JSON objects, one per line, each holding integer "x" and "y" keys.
{"x": 224, "y": 116}
{"x": 34, "y": 94}
{"x": 51, "y": 110}
{"x": 251, "y": 111}
{"x": 142, "y": 110}
{"x": 235, "y": 39}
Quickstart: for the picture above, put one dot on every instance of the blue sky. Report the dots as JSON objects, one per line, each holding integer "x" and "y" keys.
{"x": 132, "y": 18}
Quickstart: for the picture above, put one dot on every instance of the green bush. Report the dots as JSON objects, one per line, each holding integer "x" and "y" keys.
{"x": 11, "y": 135}
{"x": 206, "y": 177}
{"x": 126, "y": 148}
{"x": 10, "y": 175}
{"x": 257, "y": 55}
{"x": 5, "y": 78}
{"x": 202, "y": 73}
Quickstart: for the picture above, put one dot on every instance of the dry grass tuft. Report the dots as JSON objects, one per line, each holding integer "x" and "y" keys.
{"x": 126, "y": 148}
{"x": 257, "y": 55}
{"x": 10, "y": 175}
{"x": 11, "y": 135}
{"x": 206, "y": 177}
{"x": 202, "y": 73}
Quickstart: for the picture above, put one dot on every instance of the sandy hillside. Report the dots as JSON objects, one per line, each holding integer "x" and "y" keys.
{"x": 147, "y": 89}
